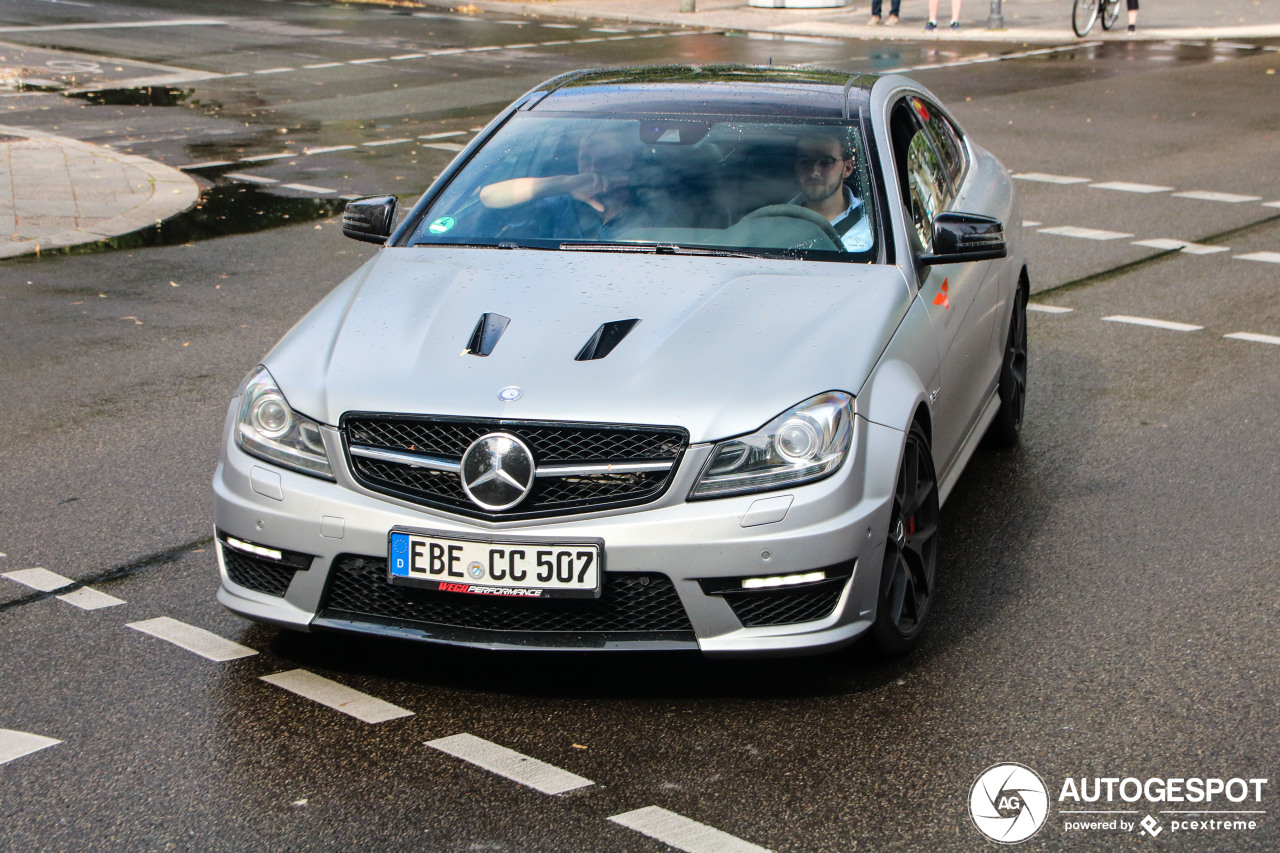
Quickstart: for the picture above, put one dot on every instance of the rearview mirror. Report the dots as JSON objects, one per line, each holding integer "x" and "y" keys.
{"x": 961, "y": 237}
{"x": 369, "y": 219}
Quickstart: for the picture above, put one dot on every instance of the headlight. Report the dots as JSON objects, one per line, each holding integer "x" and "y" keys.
{"x": 798, "y": 446}
{"x": 269, "y": 429}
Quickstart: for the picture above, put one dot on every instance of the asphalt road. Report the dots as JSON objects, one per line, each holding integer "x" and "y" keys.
{"x": 1109, "y": 590}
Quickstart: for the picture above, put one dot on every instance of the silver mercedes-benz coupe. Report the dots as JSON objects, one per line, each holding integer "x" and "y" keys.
{"x": 668, "y": 358}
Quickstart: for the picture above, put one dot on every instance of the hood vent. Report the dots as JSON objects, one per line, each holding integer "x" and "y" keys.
{"x": 608, "y": 336}
{"x": 487, "y": 333}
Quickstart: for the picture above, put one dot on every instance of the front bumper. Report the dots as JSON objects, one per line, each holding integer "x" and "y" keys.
{"x": 838, "y": 524}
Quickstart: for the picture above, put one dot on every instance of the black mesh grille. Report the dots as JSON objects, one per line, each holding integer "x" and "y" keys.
{"x": 257, "y": 574}
{"x": 551, "y": 444}
{"x": 638, "y": 603}
{"x": 785, "y": 606}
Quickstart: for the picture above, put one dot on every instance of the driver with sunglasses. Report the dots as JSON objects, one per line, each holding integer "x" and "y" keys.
{"x": 823, "y": 162}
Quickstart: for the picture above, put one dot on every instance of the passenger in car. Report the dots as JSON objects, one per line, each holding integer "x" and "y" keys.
{"x": 823, "y": 161}
{"x": 594, "y": 203}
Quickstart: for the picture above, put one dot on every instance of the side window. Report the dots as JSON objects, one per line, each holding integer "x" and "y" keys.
{"x": 944, "y": 138}
{"x": 926, "y": 186}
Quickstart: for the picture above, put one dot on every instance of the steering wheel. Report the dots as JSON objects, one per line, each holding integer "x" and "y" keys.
{"x": 795, "y": 211}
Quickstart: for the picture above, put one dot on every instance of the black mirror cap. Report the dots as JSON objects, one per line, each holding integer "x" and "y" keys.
{"x": 960, "y": 237}
{"x": 369, "y": 219}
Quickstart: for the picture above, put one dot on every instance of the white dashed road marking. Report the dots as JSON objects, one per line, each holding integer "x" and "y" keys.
{"x": 15, "y": 744}
{"x": 1125, "y": 187}
{"x": 328, "y": 149}
{"x": 87, "y": 598}
{"x": 1181, "y": 245}
{"x": 1265, "y": 257}
{"x": 381, "y": 142}
{"x": 258, "y": 158}
{"x": 252, "y": 179}
{"x": 307, "y": 188}
{"x": 1271, "y": 204}
{"x": 1254, "y": 338}
{"x": 1048, "y": 309}
{"x": 1084, "y": 233}
{"x": 1041, "y": 177}
{"x": 1155, "y": 324}
{"x": 510, "y": 764}
{"x": 443, "y": 146}
{"x": 193, "y": 639}
{"x": 282, "y": 70}
{"x": 337, "y": 696}
{"x": 1229, "y": 198}
{"x": 41, "y": 579}
{"x": 682, "y": 833}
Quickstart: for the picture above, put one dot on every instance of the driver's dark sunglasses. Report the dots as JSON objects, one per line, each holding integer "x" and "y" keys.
{"x": 823, "y": 163}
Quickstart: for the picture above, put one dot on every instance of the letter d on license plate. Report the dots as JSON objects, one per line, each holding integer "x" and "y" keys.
{"x": 511, "y": 568}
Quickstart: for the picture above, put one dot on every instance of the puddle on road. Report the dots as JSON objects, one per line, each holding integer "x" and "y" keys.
{"x": 222, "y": 211}
{"x": 142, "y": 96}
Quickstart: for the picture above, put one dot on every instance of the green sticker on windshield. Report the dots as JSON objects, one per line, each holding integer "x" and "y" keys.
{"x": 441, "y": 225}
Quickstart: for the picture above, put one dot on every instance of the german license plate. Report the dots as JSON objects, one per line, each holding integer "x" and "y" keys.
{"x": 512, "y": 568}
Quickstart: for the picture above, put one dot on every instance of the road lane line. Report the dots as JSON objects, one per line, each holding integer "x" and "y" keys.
{"x": 88, "y": 598}
{"x": 119, "y": 25}
{"x": 1265, "y": 257}
{"x": 307, "y": 188}
{"x": 258, "y": 158}
{"x": 323, "y": 65}
{"x": 41, "y": 579}
{"x": 1182, "y": 246}
{"x": 444, "y": 134}
{"x": 337, "y": 696}
{"x": 1030, "y": 223}
{"x": 404, "y": 56}
{"x": 1048, "y": 309}
{"x": 1155, "y": 324}
{"x": 1084, "y": 233}
{"x": 1126, "y": 187}
{"x": 682, "y": 833}
{"x": 15, "y": 744}
{"x": 1271, "y": 204}
{"x": 327, "y": 150}
{"x": 368, "y": 61}
{"x": 249, "y": 179}
{"x": 193, "y": 639}
{"x": 281, "y": 70}
{"x": 1205, "y": 195}
{"x": 510, "y": 764}
{"x": 1040, "y": 177}
{"x": 1254, "y": 338}
{"x": 443, "y": 146}
{"x": 382, "y": 142}
{"x": 205, "y": 164}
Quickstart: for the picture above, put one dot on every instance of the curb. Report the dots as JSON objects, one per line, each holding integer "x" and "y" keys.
{"x": 103, "y": 192}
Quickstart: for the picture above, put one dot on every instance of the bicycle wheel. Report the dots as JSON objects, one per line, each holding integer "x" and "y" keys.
{"x": 1110, "y": 12}
{"x": 1083, "y": 14}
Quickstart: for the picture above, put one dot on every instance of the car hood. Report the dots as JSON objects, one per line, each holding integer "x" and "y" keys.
{"x": 722, "y": 346}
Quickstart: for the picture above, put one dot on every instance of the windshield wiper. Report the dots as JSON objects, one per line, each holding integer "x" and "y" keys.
{"x": 655, "y": 249}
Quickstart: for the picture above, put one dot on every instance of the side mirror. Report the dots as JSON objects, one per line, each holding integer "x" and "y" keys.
{"x": 961, "y": 237}
{"x": 369, "y": 219}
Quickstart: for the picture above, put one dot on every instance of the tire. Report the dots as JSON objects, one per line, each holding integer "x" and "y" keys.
{"x": 1083, "y": 14}
{"x": 1007, "y": 426}
{"x": 909, "y": 569}
{"x": 1110, "y": 13}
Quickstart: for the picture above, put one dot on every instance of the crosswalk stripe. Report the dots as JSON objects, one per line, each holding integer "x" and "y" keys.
{"x": 15, "y": 744}
{"x": 204, "y": 643}
{"x": 1084, "y": 233}
{"x": 510, "y": 764}
{"x": 683, "y": 833}
{"x": 337, "y": 696}
{"x": 41, "y": 579}
{"x": 87, "y": 598}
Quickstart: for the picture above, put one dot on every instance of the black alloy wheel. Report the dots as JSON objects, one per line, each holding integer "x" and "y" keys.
{"x": 1004, "y": 430}
{"x": 910, "y": 553}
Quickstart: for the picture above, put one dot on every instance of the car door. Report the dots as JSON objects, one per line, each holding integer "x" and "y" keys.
{"x": 932, "y": 178}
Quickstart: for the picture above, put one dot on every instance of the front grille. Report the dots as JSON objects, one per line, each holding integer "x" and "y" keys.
{"x": 256, "y": 573}
{"x": 757, "y": 608}
{"x": 551, "y": 444}
{"x": 636, "y": 603}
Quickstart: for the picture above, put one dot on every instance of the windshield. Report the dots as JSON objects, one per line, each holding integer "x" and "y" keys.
{"x": 663, "y": 184}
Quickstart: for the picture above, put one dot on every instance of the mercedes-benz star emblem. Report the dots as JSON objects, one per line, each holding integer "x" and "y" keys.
{"x": 510, "y": 394}
{"x": 497, "y": 471}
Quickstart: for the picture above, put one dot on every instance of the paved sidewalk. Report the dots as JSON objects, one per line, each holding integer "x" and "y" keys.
{"x": 57, "y": 192}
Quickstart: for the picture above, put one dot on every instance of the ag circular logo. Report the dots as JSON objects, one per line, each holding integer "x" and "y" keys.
{"x": 1008, "y": 803}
